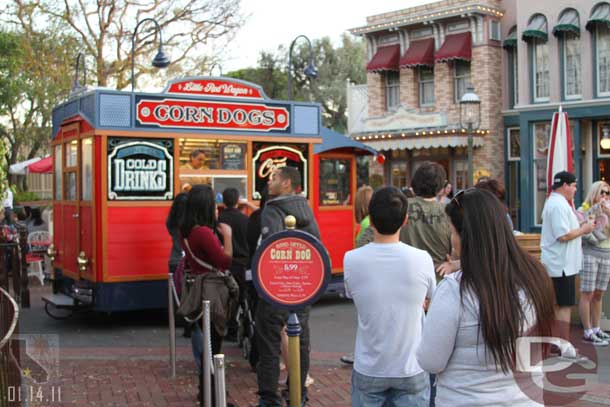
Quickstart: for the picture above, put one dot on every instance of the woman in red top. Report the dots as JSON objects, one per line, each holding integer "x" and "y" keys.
{"x": 200, "y": 229}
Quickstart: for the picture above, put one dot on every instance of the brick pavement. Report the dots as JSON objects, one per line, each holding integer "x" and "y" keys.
{"x": 140, "y": 377}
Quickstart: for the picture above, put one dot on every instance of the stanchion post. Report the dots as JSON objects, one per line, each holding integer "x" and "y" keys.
{"x": 172, "y": 325}
{"x": 219, "y": 380}
{"x": 206, "y": 356}
{"x": 293, "y": 329}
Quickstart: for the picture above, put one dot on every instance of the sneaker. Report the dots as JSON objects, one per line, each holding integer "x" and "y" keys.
{"x": 603, "y": 335}
{"x": 347, "y": 359}
{"x": 595, "y": 340}
{"x": 309, "y": 380}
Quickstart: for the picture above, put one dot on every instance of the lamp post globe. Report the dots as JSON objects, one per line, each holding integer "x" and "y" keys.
{"x": 161, "y": 60}
{"x": 470, "y": 116}
{"x": 605, "y": 141}
{"x": 310, "y": 70}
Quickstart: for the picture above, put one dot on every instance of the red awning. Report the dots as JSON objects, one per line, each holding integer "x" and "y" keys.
{"x": 44, "y": 166}
{"x": 386, "y": 59}
{"x": 456, "y": 46}
{"x": 420, "y": 53}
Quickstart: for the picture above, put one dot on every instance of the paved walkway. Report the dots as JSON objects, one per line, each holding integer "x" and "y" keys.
{"x": 140, "y": 377}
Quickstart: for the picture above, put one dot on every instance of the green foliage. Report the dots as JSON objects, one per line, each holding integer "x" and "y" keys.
{"x": 269, "y": 74}
{"x": 35, "y": 76}
{"x": 25, "y": 196}
{"x": 335, "y": 67}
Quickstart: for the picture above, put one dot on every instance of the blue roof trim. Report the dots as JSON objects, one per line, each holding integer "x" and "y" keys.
{"x": 332, "y": 140}
{"x": 300, "y": 127}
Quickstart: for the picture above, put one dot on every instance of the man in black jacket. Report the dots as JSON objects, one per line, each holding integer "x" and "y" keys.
{"x": 239, "y": 225}
{"x": 283, "y": 186}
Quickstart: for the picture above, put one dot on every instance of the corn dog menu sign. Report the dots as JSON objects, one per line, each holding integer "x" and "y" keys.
{"x": 291, "y": 269}
{"x": 168, "y": 113}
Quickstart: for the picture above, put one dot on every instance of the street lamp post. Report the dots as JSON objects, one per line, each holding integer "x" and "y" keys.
{"x": 161, "y": 60}
{"x": 79, "y": 58}
{"x": 470, "y": 116}
{"x": 310, "y": 70}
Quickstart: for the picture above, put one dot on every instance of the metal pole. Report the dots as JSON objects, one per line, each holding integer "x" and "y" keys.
{"x": 206, "y": 356}
{"x": 133, "y": 46}
{"x": 172, "y": 326}
{"x": 293, "y": 329}
{"x": 470, "y": 164}
{"x": 219, "y": 380}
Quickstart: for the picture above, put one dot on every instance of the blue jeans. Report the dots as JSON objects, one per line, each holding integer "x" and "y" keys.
{"x": 197, "y": 343}
{"x": 370, "y": 391}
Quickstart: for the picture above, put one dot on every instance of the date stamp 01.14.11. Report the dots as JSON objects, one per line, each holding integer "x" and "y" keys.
{"x": 33, "y": 394}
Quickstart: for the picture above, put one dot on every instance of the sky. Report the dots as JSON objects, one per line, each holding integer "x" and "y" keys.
{"x": 271, "y": 23}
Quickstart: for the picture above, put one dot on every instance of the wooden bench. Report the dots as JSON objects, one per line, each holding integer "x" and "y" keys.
{"x": 531, "y": 243}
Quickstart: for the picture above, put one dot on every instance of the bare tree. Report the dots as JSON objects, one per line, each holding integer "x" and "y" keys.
{"x": 105, "y": 29}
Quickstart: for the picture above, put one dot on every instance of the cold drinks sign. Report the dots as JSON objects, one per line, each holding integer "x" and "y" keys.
{"x": 291, "y": 269}
{"x": 140, "y": 169}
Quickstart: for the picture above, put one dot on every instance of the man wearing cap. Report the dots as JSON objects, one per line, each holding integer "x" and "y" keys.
{"x": 561, "y": 247}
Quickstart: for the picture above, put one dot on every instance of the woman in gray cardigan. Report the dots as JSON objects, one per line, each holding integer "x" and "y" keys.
{"x": 477, "y": 314}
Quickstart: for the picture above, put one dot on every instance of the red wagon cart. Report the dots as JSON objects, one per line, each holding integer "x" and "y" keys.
{"x": 119, "y": 159}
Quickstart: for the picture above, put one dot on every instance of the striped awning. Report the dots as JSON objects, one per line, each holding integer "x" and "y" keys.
{"x": 536, "y": 29}
{"x": 416, "y": 143}
{"x": 568, "y": 23}
{"x": 420, "y": 53}
{"x": 385, "y": 59}
{"x": 511, "y": 39}
{"x": 600, "y": 15}
{"x": 456, "y": 46}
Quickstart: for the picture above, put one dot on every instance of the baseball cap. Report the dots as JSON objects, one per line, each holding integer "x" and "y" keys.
{"x": 563, "y": 177}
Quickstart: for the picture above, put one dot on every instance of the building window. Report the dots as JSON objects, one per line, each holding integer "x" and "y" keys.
{"x": 542, "y": 133}
{"x": 462, "y": 78}
{"x": 513, "y": 77}
{"x": 426, "y": 86}
{"x": 603, "y": 59}
{"x": 392, "y": 90}
{"x": 541, "y": 142}
{"x": 541, "y": 71}
{"x": 572, "y": 67}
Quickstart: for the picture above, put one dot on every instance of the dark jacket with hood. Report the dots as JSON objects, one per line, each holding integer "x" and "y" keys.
{"x": 272, "y": 219}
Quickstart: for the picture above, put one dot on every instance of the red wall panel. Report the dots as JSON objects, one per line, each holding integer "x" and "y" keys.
{"x": 138, "y": 243}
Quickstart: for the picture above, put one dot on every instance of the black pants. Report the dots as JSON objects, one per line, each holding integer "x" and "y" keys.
{"x": 269, "y": 323}
{"x": 239, "y": 273}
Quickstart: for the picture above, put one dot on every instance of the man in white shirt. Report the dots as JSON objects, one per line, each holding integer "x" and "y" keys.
{"x": 560, "y": 244}
{"x": 389, "y": 282}
{"x": 7, "y": 203}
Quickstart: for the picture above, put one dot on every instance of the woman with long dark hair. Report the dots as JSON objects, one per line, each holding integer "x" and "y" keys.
{"x": 477, "y": 313}
{"x": 200, "y": 242}
{"x": 172, "y": 223}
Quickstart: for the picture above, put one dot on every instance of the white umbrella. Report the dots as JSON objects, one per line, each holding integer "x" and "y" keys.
{"x": 21, "y": 168}
{"x": 560, "y": 148}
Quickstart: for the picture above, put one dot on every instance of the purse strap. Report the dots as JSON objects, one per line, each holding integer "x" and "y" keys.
{"x": 199, "y": 261}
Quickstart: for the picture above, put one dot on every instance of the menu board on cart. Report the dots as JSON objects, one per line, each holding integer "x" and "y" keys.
{"x": 232, "y": 156}
{"x": 267, "y": 157}
{"x": 140, "y": 169}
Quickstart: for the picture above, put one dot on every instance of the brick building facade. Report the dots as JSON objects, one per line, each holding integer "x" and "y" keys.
{"x": 420, "y": 61}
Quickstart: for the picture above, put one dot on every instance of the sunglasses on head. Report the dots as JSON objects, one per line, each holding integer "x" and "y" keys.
{"x": 457, "y": 198}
